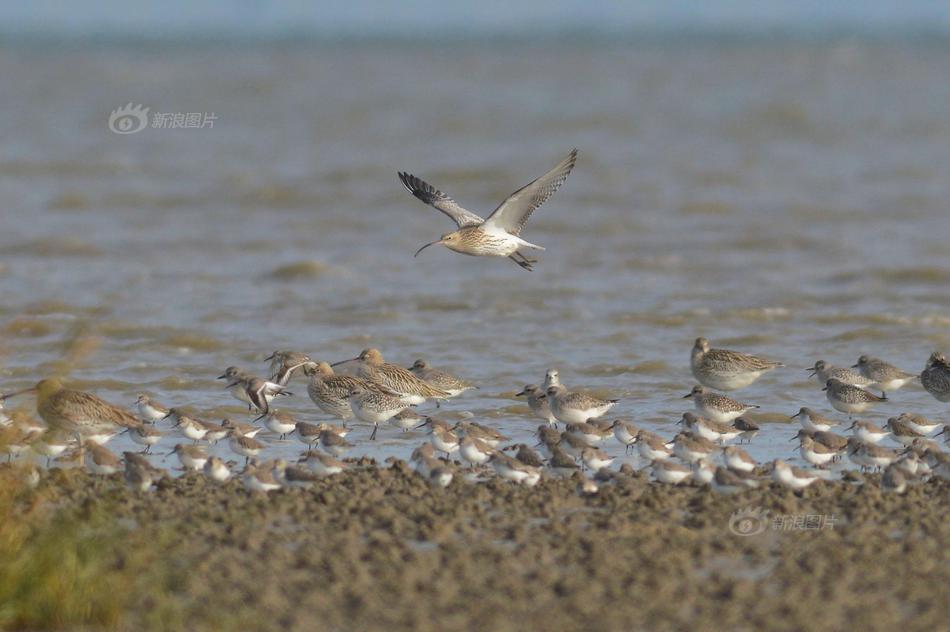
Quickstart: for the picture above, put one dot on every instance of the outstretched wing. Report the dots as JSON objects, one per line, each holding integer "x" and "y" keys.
{"x": 514, "y": 212}
{"x": 431, "y": 195}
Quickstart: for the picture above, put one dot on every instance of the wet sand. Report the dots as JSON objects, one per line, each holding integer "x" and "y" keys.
{"x": 379, "y": 549}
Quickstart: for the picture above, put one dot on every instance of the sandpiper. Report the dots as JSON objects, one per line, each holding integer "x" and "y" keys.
{"x": 919, "y": 423}
{"x": 332, "y": 442}
{"x": 280, "y": 423}
{"x": 514, "y": 470}
{"x": 51, "y": 444}
{"x": 259, "y": 478}
{"x": 441, "y": 475}
{"x": 407, "y": 420}
{"x": 816, "y": 453}
{"x": 150, "y": 410}
{"x": 886, "y": 376}
{"x": 653, "y": 447}
{"x": 626, "y": 433}
{"x": 393, "y": 378}
{"x": 692, "y": 448}
{"x": 792, "y": 477}
{"x": 588, "y": 433}
{"x": 561, "y": 463}
{"x": 189, "y": 428}
{"x": 726, "y": 370}
{"x": 726, "y": 481}
{"x": 814, "y": 421}
{"x": 77, "y": 411}
{"x": 475, "y": 430}
{"x": 475, "y": 450}
{"x": 444, "y": 440}
{"x": 500, "y": 234}
{"x": 245, "y": 446}
{"x": 18, "y": 437}
{"x": 669, "y": 471}
{"x": 374, "y": 406}
{"x": 850, "y": 399}
{"x": 902, "y": 432}
{"x": 738, "y": 459}
{"x": 146, "y": 435}
{"x": 441, "y": 380}
{"x": 526, "y": 455}
{"x": 893, "y": 480}
{"x": 547, "y": 437}
{"x": 571, "y": 407}
{"x": 248, "y": 430}
{"x": 572, "y": 444}
{"x": 217, "y": 470}
{"x": 823, "y": 371}
{"x": 138, "y": 475}
{"x": 828, "y": 439}
{"x": 191, "y": 457}
{"x": 866, "y": 432}
{"x": 286, "y": 365}
{"x": 703, "y": 471}
{"x": 708, "y": 428}
{"x": 876, "y": 456}
{"x": 595, "y": 459}
{"x": 323, "y": 464}
{"x": 715, "y": 406}
{"x": 537, "y": 403}
{"x": 101, "y": 460}
{"x": 747, "y": 429}
{"x": 308, "y": 433}
{"x": 253, "y": 391}
{"x": 935, "y": 377}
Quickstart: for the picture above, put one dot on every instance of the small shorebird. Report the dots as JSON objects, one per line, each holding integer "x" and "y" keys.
{"x": 259, "y": 478}
{"x": 500, "y": 234}
{"x": 444, "y": 440}
{"x": 253, "y": 391}
{"x": 653, "y": 447}
{"x": 475, "y": 451}
{"x": 441, "y": 380}
{"x": 407, "y": 420}
{"x": 822, "y": 371}
{"x": 51, "y": 444}
{"x": 101, "y": 460}
{"x": 726, "y": 370}
{"x": 375, "y": 407}
{"x": 595, "y": 459}
{"x": 280, "y": 423}
{"x": 248, "y": 430}
{"x": 715, "y": 406}
{"x": 145, "y": 435}
{"x": 709, "y": 429}
{"x": 919, "y": 423}
{"x": 572, "y": 444}
{"x": 139, "y": 473}
{"x": 284, "y": 364}
{"x": 393, "y": 378}
{"x": 150, "y": 410}
{"x": 747, "y": 429}
{"x": 936, "y": 377}
{"x": 816, "y": 453}
{"x": 850, "y": 399}
{"x": 293, "y": 475}
{"x": 191, "y": 457}
{"x": 189, "y": 428}
{"x": 792, "y": 477}
{"x": 526, "y": 455}
{"x": 588, "y": 433}
{"x": 738, "y": 459}
{"x": 77, "y": 411}
{"x": 902, "y": 432}
{"x": 332, "y": 442}
{"x": 514, "y": 470}
{"x": 477, "y": 431}
{"x": 828, "y": 439}
{"x": 885, "y": 376}
{"x": 537, "y": 403}
{"x": 561, "y": 463}
{"x": 308, "y": 433}
{"x": 323, "y": 464}
{"x": 692, "y": 448}
{"x": 547, "y": 437}
{"x": 866, "y": 432}
{"x": 670, "y": 472}
{"x": 244, "y": 446}
{"x": 571, "y": 407}
{"x": 726, "y": 481}
{"x": 217, "y": 470}
{"x": 894, "y": 480}
{"x": 816, "y": 422}
{"x": 704, "y": 471}
{"x": 869, "y": 455}
{"x": 625, "y": 432}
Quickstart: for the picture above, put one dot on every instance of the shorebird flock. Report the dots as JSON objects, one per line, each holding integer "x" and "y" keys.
{"x": 76, "y": 426}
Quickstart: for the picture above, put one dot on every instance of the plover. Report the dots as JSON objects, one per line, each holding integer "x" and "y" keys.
{"x": 150, "y": 410}
{"x": 850, "y": 399}
{"x": 375, "y": 407}
{"x": 500, "y": 234}
{"x": 393, "y": 378}
{"x": 726, "y": 370}
{"x": 823, "y": 371}
{"x": 935, "y": 377}
{"x": 571, "y": 407}
{"x": 669, "y": 471}
{"x": 538, "y": 403}
{"x": 885, "y": 376}
{"x": 552, "y": 377}
{"x": 716, "y": 406}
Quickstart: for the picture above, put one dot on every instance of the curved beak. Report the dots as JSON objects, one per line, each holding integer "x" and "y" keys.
{"x": 344, "y": 361}
{"x": 426, "y": 246}
{"x": 15, "y": 393}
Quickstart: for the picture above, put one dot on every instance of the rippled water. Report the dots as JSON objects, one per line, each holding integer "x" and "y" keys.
{"x": 786, "y": 198}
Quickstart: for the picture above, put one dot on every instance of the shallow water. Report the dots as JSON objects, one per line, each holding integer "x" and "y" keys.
{"x": 784, "y": 198}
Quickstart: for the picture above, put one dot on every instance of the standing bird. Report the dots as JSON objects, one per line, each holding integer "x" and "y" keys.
{"x": 726, "y": 370}
{"x": 936, "y": 376}
{"x": 374, "y": 407}
{"x": 77, "y": 411}
{"x": 441, "y": 380}
{"x": 715, "y": 406}
{"x": 500, "y": 234}
{"x": 575, "y": 408}
{"x": 850, "y": 399}
{"x": 887, "y": 376}
{"x": 537, "y": 403}
{"x": 392, "y": 378}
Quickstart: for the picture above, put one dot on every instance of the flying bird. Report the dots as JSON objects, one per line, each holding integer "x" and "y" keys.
{"x": 500, "y": 234}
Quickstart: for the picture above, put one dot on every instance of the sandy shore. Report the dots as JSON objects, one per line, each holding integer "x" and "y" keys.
{"x": 381, "y": 549}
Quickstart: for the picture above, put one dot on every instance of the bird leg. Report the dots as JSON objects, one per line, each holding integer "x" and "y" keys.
{"x": 524, "y": 263}
{"x": 372, "y": 437}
